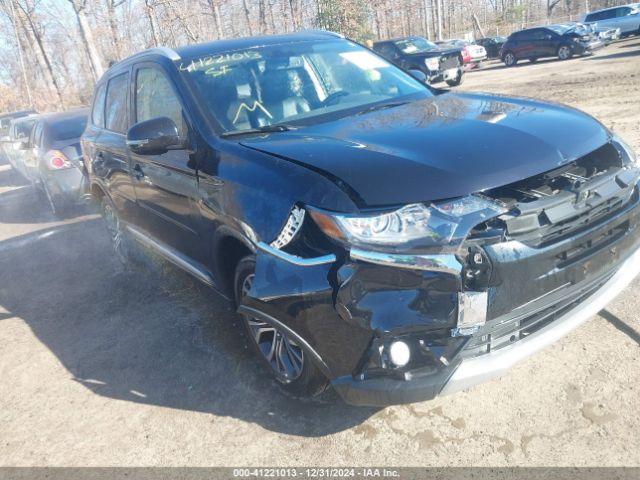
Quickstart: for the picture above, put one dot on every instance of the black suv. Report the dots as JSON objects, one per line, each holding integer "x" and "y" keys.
{"x": 393, "y": 241}
{"x": 562, "y": 41}
{"x": 439, "y": 64}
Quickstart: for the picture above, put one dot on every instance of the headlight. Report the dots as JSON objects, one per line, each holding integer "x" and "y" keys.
{"x": 432, "y": 63}
{"x": 629, "y": 157}
{"x": 441, "y": 226}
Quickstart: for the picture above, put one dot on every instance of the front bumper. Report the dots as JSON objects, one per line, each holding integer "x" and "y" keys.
{"x": 477, "y": 370}
{"x": 435, "y": 76}
{"x": 589, "y": 47}
{"x": 468, "y": 372}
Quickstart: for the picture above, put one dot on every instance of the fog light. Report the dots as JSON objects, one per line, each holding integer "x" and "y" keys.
{"x": 399, "y": 353}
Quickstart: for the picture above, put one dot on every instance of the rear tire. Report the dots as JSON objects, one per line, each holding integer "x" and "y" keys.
{"x": 119, "y": 239}
{"x": 509, "y": 59}
{"x": 282, "y": 357}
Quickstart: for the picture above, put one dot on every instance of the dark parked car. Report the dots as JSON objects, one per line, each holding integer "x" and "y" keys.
{"x": 492, "y": 45}
{"x": 5, "y": 124}
{"x": 54, "y": 159}
{"x": 19, "y": 132}
{"x": 562, "y": 41}
{"x": 416, "y": 53}
{"x": 328, "y": 194}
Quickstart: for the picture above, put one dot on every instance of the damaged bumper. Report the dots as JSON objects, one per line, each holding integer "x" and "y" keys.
{"x": 347, "y": 309}
{"x": 467, "y": 372}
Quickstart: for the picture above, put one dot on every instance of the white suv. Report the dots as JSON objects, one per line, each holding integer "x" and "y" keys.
{"x": 626, "y": 18}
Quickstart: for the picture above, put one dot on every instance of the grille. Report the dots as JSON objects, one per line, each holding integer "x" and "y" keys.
{"x": 500, "y": 333}
{"x": 449, "y": 61}
{"x": 549, "y": 207}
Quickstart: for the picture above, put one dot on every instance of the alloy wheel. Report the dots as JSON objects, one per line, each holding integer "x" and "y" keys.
{"x": 564, "y": 53}
{"x": 509, "y": 59}
{"x": 114, "y": 228}
{"x": 284, "y": 355}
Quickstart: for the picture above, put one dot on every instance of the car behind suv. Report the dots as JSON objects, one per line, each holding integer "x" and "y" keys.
{"x": 53, "y": 159}
{"x": 562, "y": 41}
{"x": 439, "y": 64}
{"x": 328, "y": 195}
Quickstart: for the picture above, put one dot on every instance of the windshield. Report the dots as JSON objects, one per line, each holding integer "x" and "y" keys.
{"x": 415, "y": 45}
{"x": 249, "y": 89}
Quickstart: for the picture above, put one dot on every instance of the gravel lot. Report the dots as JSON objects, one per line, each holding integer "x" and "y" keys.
{"x": 108, "y": 368}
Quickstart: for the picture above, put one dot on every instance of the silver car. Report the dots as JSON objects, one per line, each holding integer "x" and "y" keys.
{"x": 626, "y": 18}
{"x": 53, "y": 158}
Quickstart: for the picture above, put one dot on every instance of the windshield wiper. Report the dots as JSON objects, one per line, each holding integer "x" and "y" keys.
{"x": 381, "y": 106}
{"x": 276, "y": 127}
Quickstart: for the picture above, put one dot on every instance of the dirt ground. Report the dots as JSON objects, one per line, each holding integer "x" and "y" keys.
{"x": 106, "y": 368}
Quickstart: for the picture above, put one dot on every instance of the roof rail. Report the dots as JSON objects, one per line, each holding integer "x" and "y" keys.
{"x": 163, "y": 51}
{"x": 328, "y": 33}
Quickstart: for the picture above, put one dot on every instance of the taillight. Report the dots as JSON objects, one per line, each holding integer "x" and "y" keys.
{"x": 56, "y": 160}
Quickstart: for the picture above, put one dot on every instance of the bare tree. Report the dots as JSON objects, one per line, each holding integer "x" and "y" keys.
{"x": 13, "y": 19}
{"x": 95, "y": 59}
{"x": 30, "y": 24}
{"x": 112, "y": 5}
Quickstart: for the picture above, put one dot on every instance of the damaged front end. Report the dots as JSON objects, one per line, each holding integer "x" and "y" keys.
{"x": 407, "y": 304}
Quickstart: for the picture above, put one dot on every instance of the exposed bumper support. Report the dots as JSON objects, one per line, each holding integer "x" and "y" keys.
{"x": 437, "y": 263}
{"x": 477, "y": 370}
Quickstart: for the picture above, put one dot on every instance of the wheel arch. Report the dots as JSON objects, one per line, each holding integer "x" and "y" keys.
{"x": 229, "y": 248}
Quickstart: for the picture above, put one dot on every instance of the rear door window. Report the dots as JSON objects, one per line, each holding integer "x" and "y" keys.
{"x": 623, "y": 11}
{"x": 116, "y": 105}
{"x": 606, "y": 15}
{"x": 97, "y": 113}
{"x": 23, "y": 130}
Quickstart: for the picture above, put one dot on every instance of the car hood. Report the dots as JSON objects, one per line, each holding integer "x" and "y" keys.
{"x": 442, "y": 147}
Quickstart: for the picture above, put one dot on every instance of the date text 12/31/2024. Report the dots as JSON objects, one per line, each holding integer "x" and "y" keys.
{"x": 327, "y": 472}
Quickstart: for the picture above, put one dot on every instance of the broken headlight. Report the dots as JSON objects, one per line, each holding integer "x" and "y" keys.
{"x": 441, "y": 225}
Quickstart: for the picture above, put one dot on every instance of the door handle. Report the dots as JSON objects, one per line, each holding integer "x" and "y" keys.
{"x": 137, "y": 172}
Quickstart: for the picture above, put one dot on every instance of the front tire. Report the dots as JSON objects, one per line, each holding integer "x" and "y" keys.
{"x": 565, "y": 52}
{"x": 509, "y": 59}
{"x": 281, "y": 356}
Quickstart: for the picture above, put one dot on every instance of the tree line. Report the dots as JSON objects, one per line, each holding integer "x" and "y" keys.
{"x": 53, "y": 51}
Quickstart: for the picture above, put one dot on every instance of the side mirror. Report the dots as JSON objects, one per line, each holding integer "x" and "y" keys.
{"x": 153, "y": 137}
{"x": 418, "y": 75}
